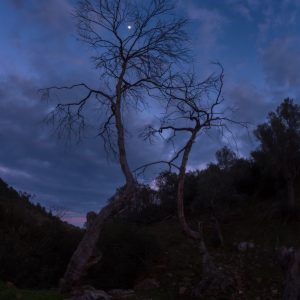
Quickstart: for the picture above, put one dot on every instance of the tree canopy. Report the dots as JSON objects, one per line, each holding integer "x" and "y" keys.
{"x": 280, "y": 144}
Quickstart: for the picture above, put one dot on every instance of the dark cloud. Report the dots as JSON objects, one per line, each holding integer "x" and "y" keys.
{"x": 39, "y": 49}
{"x": 281, "y": 62}
{"x": 67, "y": 174}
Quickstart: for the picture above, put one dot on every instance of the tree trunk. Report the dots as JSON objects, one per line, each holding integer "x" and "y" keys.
{"x": 180, "y": 190}
{"x": 120, "y": 129}
{"x": 84, "y": 256}
{"x": 121, "y": 147}
{"x": 213, "y": 279}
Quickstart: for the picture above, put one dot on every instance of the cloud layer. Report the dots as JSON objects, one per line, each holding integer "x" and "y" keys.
{"x": 256, "y": 41}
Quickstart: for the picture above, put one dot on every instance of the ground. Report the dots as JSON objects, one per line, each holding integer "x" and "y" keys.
{"x": 256, "y": 271}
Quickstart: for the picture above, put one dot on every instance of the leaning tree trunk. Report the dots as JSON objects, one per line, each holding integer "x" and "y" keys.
{"x": 86, "y": 253}
{"x": 120, "y": 130}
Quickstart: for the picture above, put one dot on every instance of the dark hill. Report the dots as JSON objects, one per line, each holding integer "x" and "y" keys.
{"x": 35, "y": 245}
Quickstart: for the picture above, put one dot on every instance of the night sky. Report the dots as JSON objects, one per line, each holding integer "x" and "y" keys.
{"x": 257, "y": 41}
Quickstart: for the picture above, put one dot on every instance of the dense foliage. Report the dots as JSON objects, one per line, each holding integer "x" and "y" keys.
{"x": 279, "y": 151}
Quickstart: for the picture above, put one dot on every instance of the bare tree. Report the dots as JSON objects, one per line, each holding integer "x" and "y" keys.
{"x": 136, "y": 45}
{"x": 192, "y": 107}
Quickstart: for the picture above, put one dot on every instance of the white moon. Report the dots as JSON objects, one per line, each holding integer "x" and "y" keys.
{"x": 129, "y": 27}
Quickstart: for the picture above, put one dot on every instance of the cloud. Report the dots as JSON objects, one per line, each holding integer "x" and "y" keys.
{"x": 13, "y": 172}
{"x": 39, "y": 50}
{"x": 73, "y": 218}
{"x": 244, "y": 11}
{"x": 242, "y": 8}
{"x": 210, "y": 24}
{"x": 281, "y": 62}
{"x": 38, "y": 53}
{"x": 32, "y": 160}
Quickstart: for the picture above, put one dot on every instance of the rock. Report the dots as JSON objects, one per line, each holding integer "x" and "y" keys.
{"x": 89, "y": 293}
{"x": 123, "y": 294}
{"x": 244, "y": 246}
{"x": 147, "y": 284}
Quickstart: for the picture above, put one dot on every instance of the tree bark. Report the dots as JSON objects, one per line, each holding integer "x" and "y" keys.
{"x": 84, "y": 256}
{"x": 120, "y": 129}
{"x": 213, "y": 279}
{"x": 180, "y": 190}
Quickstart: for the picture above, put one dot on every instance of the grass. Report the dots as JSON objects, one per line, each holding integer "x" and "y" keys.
{"x": 13, "y": 293}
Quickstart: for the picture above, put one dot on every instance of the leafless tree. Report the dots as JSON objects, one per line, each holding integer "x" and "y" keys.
{"x": 136, "y": 43}
{"x": 192, "y": 107}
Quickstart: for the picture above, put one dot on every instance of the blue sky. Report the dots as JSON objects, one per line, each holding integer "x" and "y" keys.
{"x": 258, "y": 43}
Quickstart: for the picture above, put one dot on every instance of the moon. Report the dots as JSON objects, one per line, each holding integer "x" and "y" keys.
{"x": 129, "y": 27}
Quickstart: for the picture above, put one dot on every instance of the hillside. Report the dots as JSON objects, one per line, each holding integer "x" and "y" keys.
{"x": 35, "y": 245}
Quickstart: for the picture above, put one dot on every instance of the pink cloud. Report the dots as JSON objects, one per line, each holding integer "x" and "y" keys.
{"x": 74, "y": 218}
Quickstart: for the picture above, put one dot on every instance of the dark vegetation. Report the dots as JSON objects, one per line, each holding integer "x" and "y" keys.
{"x": 35, "y": 246}
{"x": 237, "y": 200}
